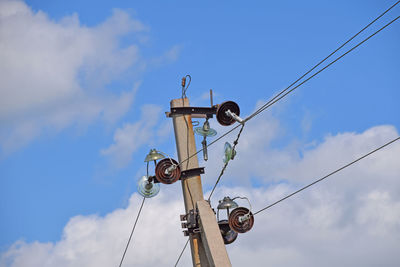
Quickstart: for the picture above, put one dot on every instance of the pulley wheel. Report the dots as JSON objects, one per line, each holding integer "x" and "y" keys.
{"x": 236, "y": 225}
{"x": 228, "y": 235}
{"x": 167, "y": 178}
{"x": 224, "y": 119}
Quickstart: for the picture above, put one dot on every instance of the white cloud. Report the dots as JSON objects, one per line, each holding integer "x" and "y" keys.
{"x": 351, "y": 219}
{"x": 132, "y": 136}
{"x": 257, "y": 157}
{"x": 54, "y": 74}
{"x": 169, "y": 56}
{"x": 100, "y": 241}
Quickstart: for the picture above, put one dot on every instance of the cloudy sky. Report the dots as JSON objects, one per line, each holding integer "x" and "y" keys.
{"x": 83, "y": 91}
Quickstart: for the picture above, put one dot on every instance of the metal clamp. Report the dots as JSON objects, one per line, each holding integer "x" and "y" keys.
{"x": 207, "y": 112}
{"x": 192, "y": 172}
{"x": 191, "y": 224}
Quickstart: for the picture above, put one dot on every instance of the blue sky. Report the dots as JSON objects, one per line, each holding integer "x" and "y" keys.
{"x": 85, "y": 86}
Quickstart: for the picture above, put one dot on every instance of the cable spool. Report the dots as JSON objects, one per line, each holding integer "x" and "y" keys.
{"x": 241, "y": 220}
{"x": 221, "y": 115}
{"x": 164, "y": 173}
{"x": 228, "y": 235}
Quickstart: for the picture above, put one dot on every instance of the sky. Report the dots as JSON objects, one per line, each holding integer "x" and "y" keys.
{"x": 84, "y": 87}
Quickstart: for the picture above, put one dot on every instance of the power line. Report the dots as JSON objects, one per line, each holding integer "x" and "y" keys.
{"x": 270, "y": 103}
{"x": 323, "y": 60}
{"x": 301, "y": 189}
{"x": 133, "y": 229}
{"x": 326, "y": 176}
{"x": 276, "y": 98}
{"x": 180, "y": 255}
{"x": 213, "y": 142}
{"x": 226, "y": 163}
{"x": 280, "y": 96}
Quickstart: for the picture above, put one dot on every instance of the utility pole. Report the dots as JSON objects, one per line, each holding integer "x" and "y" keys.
{"x": 207, "y": 247}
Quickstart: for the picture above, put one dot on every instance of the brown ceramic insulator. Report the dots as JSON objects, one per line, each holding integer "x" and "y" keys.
{"x": 228, "y": 235}
{"x": 224, "y": 119}
{"x": 240, "y": 227}
{"x": 167, "y": 178}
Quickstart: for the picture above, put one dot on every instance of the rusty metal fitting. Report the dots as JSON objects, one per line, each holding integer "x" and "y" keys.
{"x": 164, "y": 174}
{"x": 228, "y": 235}
{"x": 222, "y": 117}
{"x": 241, "y": 220}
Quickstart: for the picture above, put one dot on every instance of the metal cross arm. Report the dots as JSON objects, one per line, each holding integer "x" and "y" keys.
{"x": 196, "y": 112}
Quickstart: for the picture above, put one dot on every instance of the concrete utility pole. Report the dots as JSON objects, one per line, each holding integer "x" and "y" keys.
{"x": 207, "y": 247}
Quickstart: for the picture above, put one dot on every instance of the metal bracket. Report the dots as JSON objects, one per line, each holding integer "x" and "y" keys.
{"x": 192, "y": 172}
{"x": 153, "y": 179}
{"x": 184, "y": 174}
{"x": 192, "y": 223}
{"x": 202, "y": 111}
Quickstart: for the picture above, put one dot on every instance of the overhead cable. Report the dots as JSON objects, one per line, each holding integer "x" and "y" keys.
{"x": 283, "y": 94}
{"x": 276, "y": 98}
{"x": 326, "y": 176}
{"x": 180, "y": 255}
{"x": 213, "y": 142}
{"x": 133, "y": 229}
{"x": 323, "y": 60}
{"x": 226, "y": 163}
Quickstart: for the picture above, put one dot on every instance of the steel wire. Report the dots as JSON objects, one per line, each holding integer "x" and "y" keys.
{"x": 279, "y": 96}
{"x": 133, "y": 229}
{"x": 326, "y": 176}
